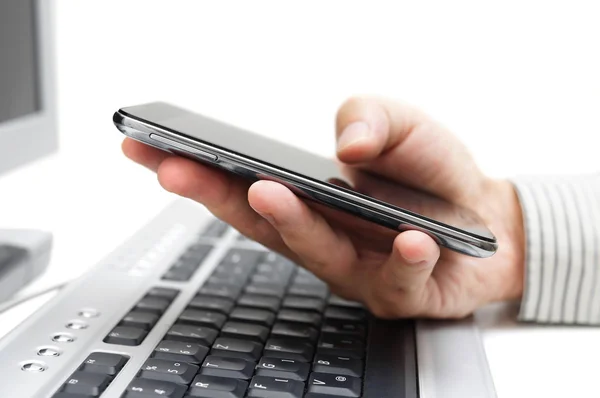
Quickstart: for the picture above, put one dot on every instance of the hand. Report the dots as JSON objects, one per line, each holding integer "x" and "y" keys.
{"x": 395, "y": 275}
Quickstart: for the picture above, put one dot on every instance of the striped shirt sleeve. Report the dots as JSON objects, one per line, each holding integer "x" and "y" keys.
{"x": 562, "y": 228}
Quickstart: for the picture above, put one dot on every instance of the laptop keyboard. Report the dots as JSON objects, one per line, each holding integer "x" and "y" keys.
{"x": 259, "y": 327}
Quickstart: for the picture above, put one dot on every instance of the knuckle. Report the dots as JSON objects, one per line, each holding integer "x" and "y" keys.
{"x": 261, "y": 231}
{"x": 381, "y": 312}
{"x": 391, "y": 305}
{"x": 383, "y": 309}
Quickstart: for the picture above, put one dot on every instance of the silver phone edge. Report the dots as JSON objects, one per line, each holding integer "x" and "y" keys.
{"x": 454, "y": 240}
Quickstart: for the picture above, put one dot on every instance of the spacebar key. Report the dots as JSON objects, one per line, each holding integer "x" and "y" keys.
{"x": 142, "y": 388}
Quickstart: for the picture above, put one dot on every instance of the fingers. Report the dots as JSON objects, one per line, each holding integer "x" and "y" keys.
{"x": 411, "y": 263}
{"x": 401, "y": 286}
{"x": 223, "y": 194}
{"x": 402, "y": 144}
{"x": 326, "y": 252}
{"x": 366, "y": 127}
{"x": 143, "y": 154}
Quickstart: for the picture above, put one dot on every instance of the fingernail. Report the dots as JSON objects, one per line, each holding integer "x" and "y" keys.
{"x": 352, "y": 134}
{"x": 415, "y": 262}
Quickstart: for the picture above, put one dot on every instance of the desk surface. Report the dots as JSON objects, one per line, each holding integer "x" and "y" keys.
{"x": 89, "y": 218}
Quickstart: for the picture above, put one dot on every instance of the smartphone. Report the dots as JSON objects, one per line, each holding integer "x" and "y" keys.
{"x": 309, "y": 176}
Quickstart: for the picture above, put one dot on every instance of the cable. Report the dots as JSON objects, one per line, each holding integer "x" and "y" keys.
{"x": 19, "y": 300}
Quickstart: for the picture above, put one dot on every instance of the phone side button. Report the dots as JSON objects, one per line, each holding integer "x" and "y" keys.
{"x": 183, "y": 147}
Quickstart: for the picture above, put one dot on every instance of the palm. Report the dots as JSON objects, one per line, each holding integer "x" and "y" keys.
{"x": 458, "y": 283}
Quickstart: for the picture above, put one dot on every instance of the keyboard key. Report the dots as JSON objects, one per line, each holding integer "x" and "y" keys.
{"x": 236, "y": 348}
{"x": 157, "y": 305}
{"x": 90, "y": 384}
{"x": 203, "y": 318}
{"x": 243, "y": 331}
{"x": 217, "y": 387}
{"x": 140, "y": 319}
{"x": 103, "y": 363}
{"x": 245, "y": 257}
{"x": 227, "y": 279}
{"x": 192, "y": 334}
{"x": 266, "y": 289}
{"x": 303, "y": 303}
{"x": 267, "y": 387}
{"x": 219, "y": 304}
{"x": 262, "y": 317}
{"x": 215, "y": 229}
{"x": 308, "y": 279}
{"x": 289, "y": 349}
{"x": 164, "y": 292}
{"x": 334, "y": 385}
{"x": 308, "y": 317}
{"x": 164, "y": 370}
{"x": 235, "y": 368}
{"x": 340, "y": 302}
{"x": 281, "y": 278}
{"x": 317, "y": 291}
{"x": 126, "y": 335}
{"x": 197, "y": 251}
{"x": 221, "y": 290}
{"x": 185, "y": 263}
{"x": 345, "y": 314}
{"x": 282, "y": 368}
{"x": 275, "y": 263}
{"x": 339, "y": 365}
{"x": 343, "y": 327}
{"x": 294, "y": 330}
{"x": 178, "y": 275}
{"x": 200, "y": 247}
{"x": 238, "y": 270}
{"x": 339, "y": 344}
{"x": 275, "y": 267}
{"x": 180, "y": 351}
{"x": 143, "y": 388}
{"x": 259, "y": 301}
{"x": 275, "y": 258}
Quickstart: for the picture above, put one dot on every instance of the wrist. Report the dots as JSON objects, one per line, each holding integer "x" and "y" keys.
{"x": 505, "y": 219}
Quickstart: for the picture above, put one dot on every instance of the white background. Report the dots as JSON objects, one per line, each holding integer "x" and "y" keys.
{"x": 518, "y": 81}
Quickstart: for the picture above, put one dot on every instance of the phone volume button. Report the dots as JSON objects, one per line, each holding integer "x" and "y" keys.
{"x": 184, "y": 147}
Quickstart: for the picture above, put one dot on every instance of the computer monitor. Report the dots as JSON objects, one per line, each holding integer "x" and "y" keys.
{"x": 27, "y": 91}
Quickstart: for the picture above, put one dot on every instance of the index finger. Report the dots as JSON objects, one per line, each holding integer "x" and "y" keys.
{"x": 401, "y": 143}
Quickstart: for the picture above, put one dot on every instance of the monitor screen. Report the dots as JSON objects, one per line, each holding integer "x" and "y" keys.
{"x": 19, "y": 75}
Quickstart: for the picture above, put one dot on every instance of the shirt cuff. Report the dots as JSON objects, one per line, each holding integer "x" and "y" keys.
{"x": 562, "y": 229}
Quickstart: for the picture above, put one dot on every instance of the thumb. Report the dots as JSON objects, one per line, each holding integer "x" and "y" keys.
{"x": 407, "y": 271}
{"x": 403, "y": 144}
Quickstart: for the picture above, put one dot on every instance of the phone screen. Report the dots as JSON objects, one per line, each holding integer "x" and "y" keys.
{"x": 308, "y": 165}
